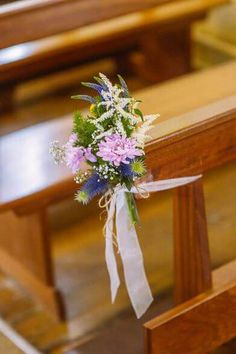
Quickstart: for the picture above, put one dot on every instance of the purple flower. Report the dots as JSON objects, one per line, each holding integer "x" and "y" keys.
{"x": 72, "y": 139}
{"x": 118, "y": 149}
{"x": 89, "y": 155}
{"x": 74, "y": 158}
{"x": 76, "y": 155}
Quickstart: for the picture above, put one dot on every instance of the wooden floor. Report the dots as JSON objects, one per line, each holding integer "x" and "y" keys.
{"x": 94, "y": 326}
{"x": 6, "y": 346}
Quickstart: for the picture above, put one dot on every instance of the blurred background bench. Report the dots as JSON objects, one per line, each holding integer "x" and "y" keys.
{"x": 141, "y": 38}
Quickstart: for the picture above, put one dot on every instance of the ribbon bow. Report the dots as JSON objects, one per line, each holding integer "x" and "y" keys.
{"x": 127, "y": 241}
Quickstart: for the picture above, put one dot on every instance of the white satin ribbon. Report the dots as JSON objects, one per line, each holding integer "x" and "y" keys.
{"x": 128, "y": 245}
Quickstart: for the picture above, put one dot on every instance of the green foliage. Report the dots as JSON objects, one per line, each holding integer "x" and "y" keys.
{"x": 127, "y": 127}
{"x": 84, "y": 129}
{"x": 139, "y": 113}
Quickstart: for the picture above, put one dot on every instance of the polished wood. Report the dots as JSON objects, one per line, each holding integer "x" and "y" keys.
{"x": 26, "y": 15}
{"x": 192, "y": 153}
{"x": 192, "y": 266}
{"x": 167, "y": 54}
{"x": 76, "y": 13}
{"x": 25, "y": 254}
{"x": 197, "y": 133}
{"x": 199, "y": 325}
{"x": 44, "y": 188}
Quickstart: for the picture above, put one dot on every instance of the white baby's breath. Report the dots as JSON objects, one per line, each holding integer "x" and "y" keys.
{"x": 58, "y": 152}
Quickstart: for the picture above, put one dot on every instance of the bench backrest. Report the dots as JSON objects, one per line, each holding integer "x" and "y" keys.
{"x": 32, "y": 18}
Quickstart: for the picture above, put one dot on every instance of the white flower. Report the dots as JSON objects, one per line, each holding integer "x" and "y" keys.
{"x": 106, "y": 115}
{"x": 140, "y": 133}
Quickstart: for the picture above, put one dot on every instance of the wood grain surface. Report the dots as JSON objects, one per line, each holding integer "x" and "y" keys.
{"x": 192, "y": 264}
{"x": 199, "y": 325}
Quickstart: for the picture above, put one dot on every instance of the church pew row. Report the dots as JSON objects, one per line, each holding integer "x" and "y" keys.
{"x": 205, "y": 318}
{"x": 196, "y": 112}
{"x": 158, "y": 31}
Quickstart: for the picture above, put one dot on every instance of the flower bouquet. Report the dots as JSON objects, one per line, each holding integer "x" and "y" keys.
{"x": 106, "y": 148}
{"x": 105, "y": 153}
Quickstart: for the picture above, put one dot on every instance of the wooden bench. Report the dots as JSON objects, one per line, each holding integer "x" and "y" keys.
{"x": 206, "y": 317}
{"x": 198, "y": 325}
{"x": 30, "y": 181}
{"x": 155, "y": 28}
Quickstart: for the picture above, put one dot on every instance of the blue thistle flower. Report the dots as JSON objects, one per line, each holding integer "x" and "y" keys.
{"x": 94, "y": 186}
{"x": 126, "y": 170}
{"x": 135, "y": 167}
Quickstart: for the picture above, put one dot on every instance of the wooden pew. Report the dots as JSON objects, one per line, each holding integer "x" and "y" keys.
{"x": 191, "y": 144}
{"x": 155, "y": 28}
{"x": 25, "y": 15}
{"x": 30, "y": 181}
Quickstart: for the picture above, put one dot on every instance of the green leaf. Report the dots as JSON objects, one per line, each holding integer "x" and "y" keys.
{"x": 84, "y": 129}
{"x": 139, "y": 113}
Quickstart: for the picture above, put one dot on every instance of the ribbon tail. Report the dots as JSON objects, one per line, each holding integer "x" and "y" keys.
{"x": 165, "y": 184}
{"x": 109, "y": 250}
{"x": 132, "y": 258}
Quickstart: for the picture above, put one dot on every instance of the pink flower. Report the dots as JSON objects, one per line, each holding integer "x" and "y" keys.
{"x": 118, "y": 149}
{"x": 77, "y": 155}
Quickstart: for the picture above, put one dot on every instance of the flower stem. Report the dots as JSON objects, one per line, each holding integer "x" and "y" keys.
{"x": 132, "y": 207}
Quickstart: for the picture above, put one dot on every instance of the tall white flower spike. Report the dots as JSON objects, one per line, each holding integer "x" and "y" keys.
{"x": 141, "y": 132}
